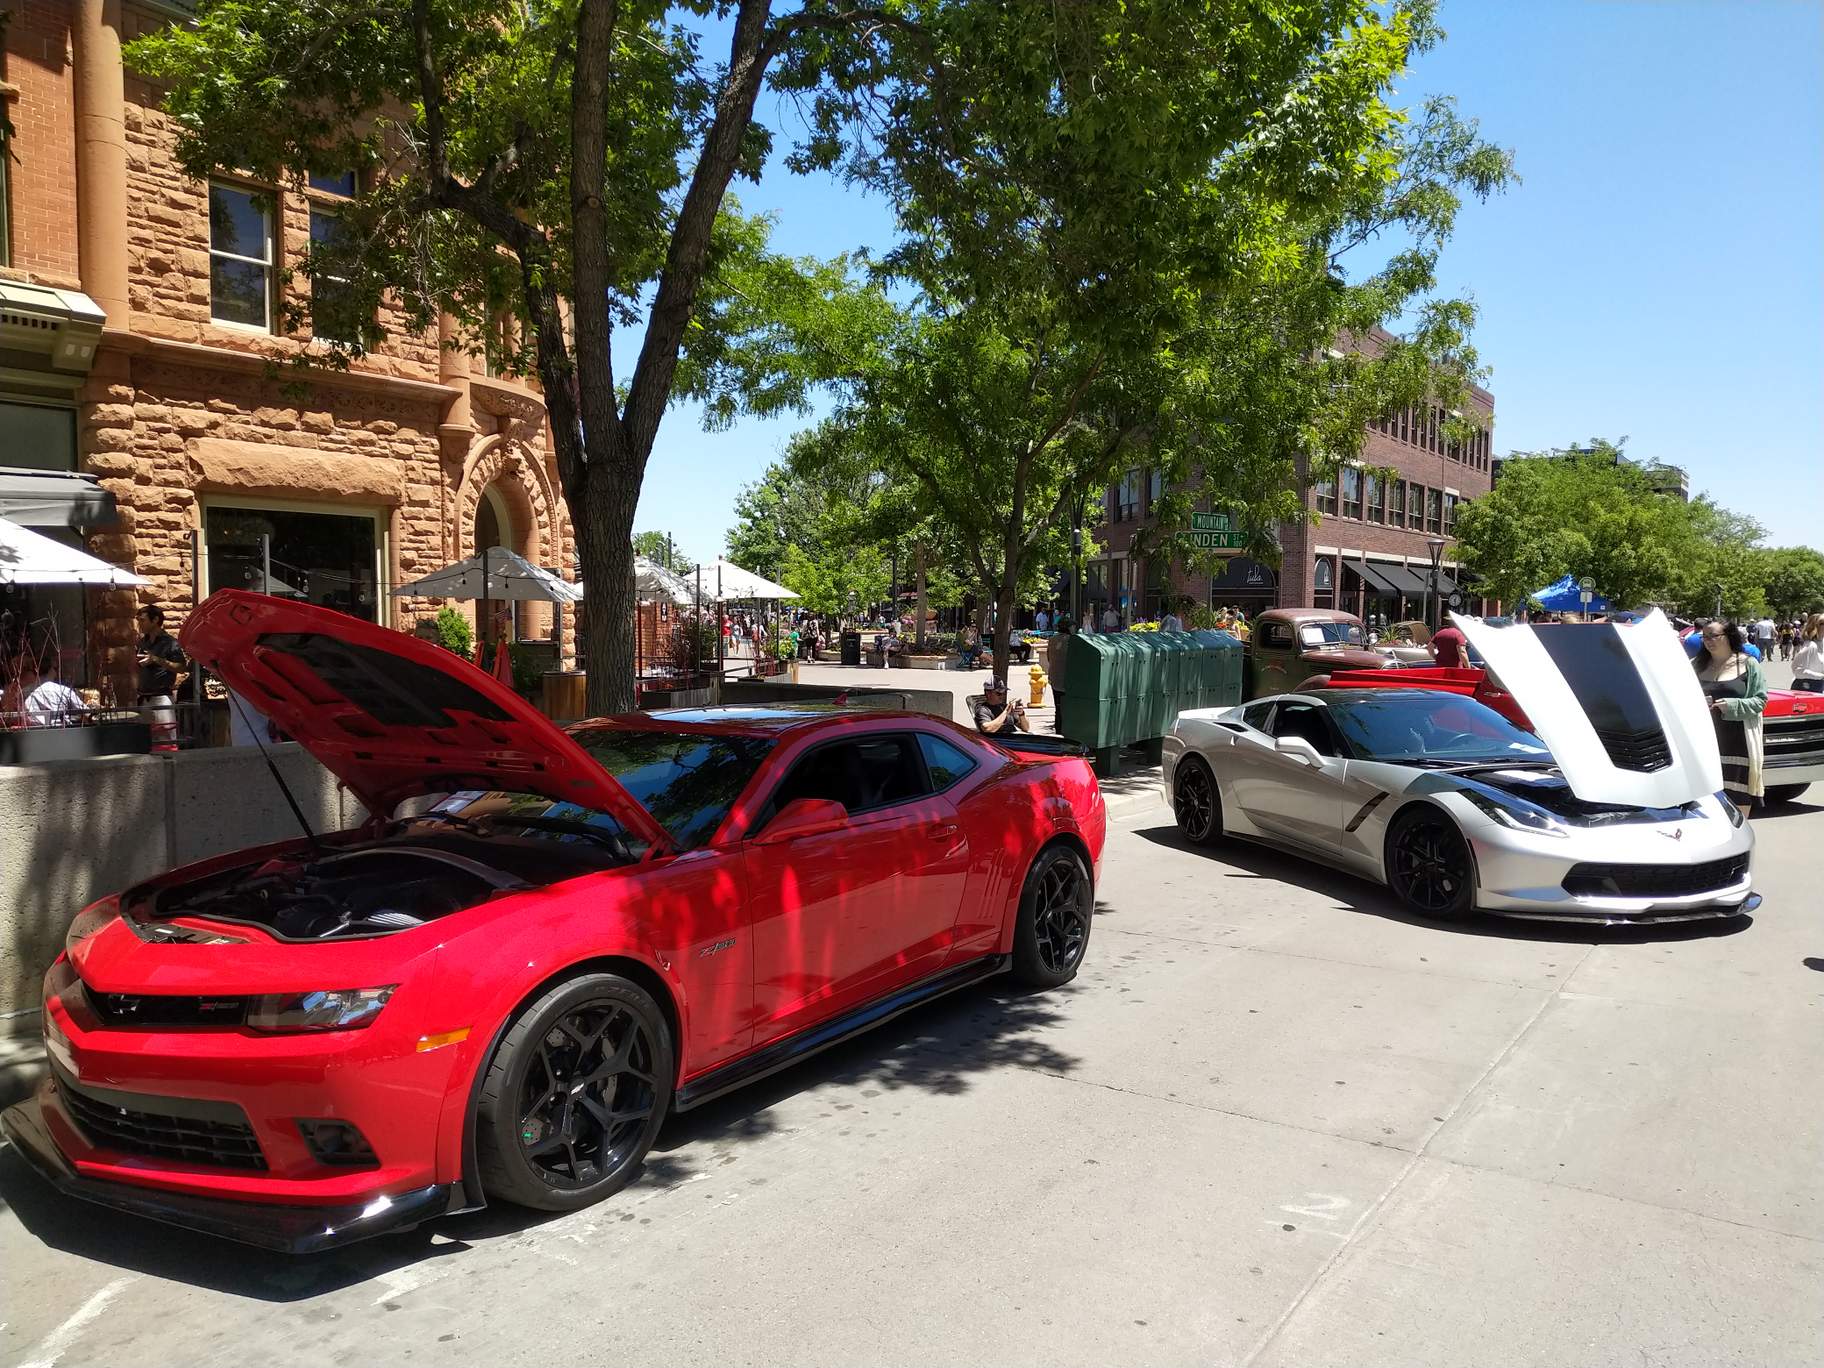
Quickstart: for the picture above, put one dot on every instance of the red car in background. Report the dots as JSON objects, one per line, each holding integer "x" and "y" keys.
{"x": 539, "y": 945}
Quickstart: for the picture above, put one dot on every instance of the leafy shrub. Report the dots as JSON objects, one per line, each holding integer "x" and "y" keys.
{"x": 454, "y": 632}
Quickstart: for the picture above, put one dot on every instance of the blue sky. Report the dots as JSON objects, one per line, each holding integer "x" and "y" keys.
{"x": 1658, "y": 274}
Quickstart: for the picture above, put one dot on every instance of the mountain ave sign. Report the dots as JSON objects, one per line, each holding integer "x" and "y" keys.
{"x": 1213, "y": 532}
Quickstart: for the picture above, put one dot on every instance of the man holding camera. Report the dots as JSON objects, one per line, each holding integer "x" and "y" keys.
{"x": 995, "y": 714}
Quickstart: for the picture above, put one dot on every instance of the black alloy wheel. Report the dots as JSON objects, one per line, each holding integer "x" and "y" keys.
{"x": 1195, "y": 802}
{"x": 1055, "y": 910}
{"x": 1429, "y": 866}
{"x": 575, "y": 1095}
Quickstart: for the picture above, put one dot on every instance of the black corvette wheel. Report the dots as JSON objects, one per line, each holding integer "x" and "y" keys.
{"x": 1195, "y": 802}
{"x": 1055, "y": 911}
{"x": 1429, "y": 866}
{"x": 575, "y": 1095}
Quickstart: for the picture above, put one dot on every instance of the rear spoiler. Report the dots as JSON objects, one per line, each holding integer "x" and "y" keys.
{"x": 1036, "y": 743}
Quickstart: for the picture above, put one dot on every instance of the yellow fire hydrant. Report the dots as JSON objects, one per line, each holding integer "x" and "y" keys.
{"x": 1038, "y": 686}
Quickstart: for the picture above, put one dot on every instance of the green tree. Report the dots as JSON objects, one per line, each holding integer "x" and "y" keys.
{"x": 568, "y": 163}
{"x": 661, "y": 549}
{"x": 1124, "y": 245}
{"x": 1589, "y": 511}
{"x": 1793, "y": 580}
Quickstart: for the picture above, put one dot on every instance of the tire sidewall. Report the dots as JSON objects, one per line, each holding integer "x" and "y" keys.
{"x": 1466, "y": 900}
{"x": 1028, "y": 965}
{"x": 498, "y": 1124}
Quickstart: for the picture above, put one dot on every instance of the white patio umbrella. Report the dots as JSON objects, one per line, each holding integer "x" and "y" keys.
{"x": 653, "y": 582}
{"x": 496, "y": 573}
{"x": 725, "y": 581}
{"x": 28, "y": 557}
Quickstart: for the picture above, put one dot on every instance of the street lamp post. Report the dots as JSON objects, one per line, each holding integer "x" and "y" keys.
{"x": 1076, "y": 567}
{"x": 1435, "y": 545}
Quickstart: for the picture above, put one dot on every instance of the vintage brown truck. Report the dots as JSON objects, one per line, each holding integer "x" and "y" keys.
{"x": 1286, "y": 646}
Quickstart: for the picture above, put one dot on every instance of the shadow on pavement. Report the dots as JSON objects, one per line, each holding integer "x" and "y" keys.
{"x": 1249, "y": 861}
{"x": 1774, "y": 812}
{"x": 939, "y": 1048}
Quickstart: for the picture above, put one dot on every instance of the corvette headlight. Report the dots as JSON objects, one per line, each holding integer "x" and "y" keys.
{"x": 90, "y": 920}
{"x": 1730, "y": 810}
{"x": 1515, "y": 814}
{"x": 339, "y": 1009}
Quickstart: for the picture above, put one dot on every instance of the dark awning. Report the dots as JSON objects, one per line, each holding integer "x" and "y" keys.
{"x": 1371, "y": 575}
{"x": 53, "y": 498}
{"x": 1405, "y": 580}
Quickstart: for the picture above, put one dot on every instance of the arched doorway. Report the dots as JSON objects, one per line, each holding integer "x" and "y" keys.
{"x": 494, "y": 528}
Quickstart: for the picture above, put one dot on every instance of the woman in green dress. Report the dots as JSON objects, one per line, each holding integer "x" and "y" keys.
{"x": 1737, "y": 691}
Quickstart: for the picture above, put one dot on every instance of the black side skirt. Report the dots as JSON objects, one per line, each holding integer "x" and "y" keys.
{"x": 784, "y": 1053}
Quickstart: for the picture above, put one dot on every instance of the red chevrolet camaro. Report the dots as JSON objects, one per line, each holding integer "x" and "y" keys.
{"x": 540, "y": 944}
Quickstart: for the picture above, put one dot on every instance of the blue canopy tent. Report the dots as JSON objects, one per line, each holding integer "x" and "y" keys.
{"x": 1566, "y": 597}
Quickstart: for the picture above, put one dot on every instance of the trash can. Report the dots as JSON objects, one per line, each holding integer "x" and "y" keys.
{"x": 565, "y": 695}
{"x": 851, "y": 649}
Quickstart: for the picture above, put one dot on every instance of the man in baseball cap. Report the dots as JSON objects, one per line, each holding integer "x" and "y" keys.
{"x": 994, "y": 713}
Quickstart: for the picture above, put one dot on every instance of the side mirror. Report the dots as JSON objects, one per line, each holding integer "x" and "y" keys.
{"x": 1298, "y": 749}
{"x": 803, "y": 817}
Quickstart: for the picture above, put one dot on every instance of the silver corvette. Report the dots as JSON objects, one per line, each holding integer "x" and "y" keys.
{"x": 1609, "y": 811}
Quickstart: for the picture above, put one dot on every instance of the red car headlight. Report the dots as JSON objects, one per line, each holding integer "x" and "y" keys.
{"x": 338, "y": 1009}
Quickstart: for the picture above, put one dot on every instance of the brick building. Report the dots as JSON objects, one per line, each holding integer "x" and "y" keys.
{"x": 1366, "y": 553}
{"x": 144, "y": 379}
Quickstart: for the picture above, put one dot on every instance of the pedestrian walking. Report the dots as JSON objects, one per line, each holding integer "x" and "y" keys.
{"x": 1808, "y": 656}
{"x": 1764, "y": 632}
{"x": 1737, "y": 691}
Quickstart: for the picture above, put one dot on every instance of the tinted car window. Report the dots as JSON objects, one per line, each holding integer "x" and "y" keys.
{"x": 944, "y": 762}
{"x": 1302, "y": 719}
{"x": 1422, "y": 726}
{"x": 686, "y": 781}
{"x": 1279, "y": 634}
{"x": 1255, "y": 715}
{"x": 868, "y": 772}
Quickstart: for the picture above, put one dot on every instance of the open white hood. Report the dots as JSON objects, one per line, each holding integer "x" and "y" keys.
{"x": 1617, "y": 704}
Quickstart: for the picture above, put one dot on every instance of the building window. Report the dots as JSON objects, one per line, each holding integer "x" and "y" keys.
{"x": 1155, "y": 486}
{"x": 240, "y": 256}
{"x": 37, "y": 436}
{"x": 324, "y": 556}
{"x": 1450, "y": 514}
{"x": 1326, "y": 496}
{"x": 1352, "y": 492}
{"x": 1396, "y": 504}
{"x": 335, "y": 315}
{"x": 341, "y": 183}
{"x": 1434, "y": 503}
{"x": 1372, "y": 500}
{"x": 1127, "y": 497}
{"x": 1323, "y": 583}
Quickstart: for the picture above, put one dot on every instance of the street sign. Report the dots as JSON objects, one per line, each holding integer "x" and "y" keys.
{"x": 1213, "y": 532}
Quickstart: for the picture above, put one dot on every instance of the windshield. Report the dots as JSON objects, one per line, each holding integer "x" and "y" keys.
{"x": 687, "y": 780}
{"x": 1329, "y": 634}
{"x": 1410, "y": 727}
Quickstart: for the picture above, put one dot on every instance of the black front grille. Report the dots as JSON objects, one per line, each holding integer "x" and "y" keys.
{"x": 164, "y": 1127}
{"x": 1640, "y": 751}
{"x": 162, "y": 1009}
{"x": 1653, "y": 880}
{"x": 1793, "y": 740}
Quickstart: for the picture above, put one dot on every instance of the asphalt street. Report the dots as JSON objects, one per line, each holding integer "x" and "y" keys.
{"x": 1273, "y": 1122}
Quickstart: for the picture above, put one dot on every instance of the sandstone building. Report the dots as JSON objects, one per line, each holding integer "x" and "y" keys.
{"x": 142, "y": 363}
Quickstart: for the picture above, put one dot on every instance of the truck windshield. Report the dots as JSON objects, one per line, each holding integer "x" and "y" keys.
{"x": 1313, "y": 634}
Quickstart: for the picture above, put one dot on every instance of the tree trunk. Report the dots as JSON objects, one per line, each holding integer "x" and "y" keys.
{"x": 918, "y": 631}
{"x": 604, "y": 526}
{"x": 1003, "y": 625}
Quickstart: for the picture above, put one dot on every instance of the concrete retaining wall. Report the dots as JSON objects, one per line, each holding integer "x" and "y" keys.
{"x": 74, "y": 831}
{"x": 936, "y": 702}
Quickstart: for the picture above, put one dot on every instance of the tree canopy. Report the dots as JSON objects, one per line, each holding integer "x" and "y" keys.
{"x": 566, "y": 165}
{"x": 1127, "y": 234}
{"x": 1589, "y": 511}
{"x": 661, "y": 548}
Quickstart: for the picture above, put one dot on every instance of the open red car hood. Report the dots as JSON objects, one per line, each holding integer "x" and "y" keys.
{"x": 392, "y": 716}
